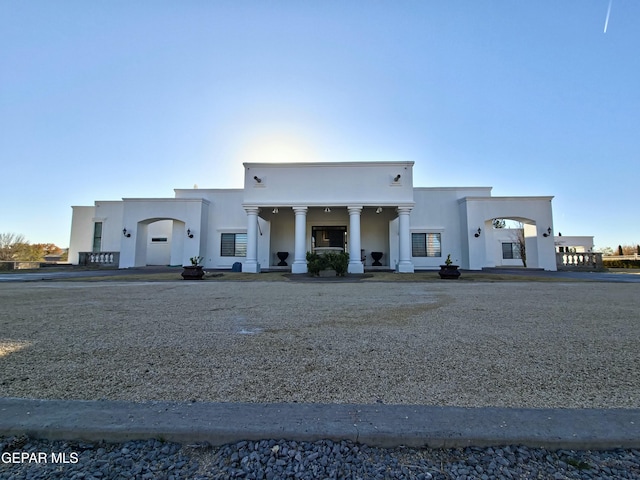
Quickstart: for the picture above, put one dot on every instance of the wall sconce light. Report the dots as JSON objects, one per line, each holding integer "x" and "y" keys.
{"x": 257, "y": 179}
{"x": 548, "y": 232}
{"x": 478, "y": 232}
{"x": 396, "y": 178}
{"x": 327, "y": 210}
{"x": 275, "y": 210}
{"x": 124, "y": 232}
{"x": 379, "y": 210}
{"x": 189, "y": 234}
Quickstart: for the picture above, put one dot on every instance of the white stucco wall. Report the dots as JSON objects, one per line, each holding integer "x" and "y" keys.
{"x": 328, "y": 184}
{"x": 110, "y": 214}
{"x": 81, "y": 238}
{"x": 437, "y": 211}
{"x": 454, "y": 212}
{"x": 159, "y": 252}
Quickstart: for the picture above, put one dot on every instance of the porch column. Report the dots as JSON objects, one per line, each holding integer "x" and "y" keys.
{"x": 251, "y": 264}
{"x": 404, "y": 264}
{"x": 300, "y": 256}
{"x": 355, "y": 260}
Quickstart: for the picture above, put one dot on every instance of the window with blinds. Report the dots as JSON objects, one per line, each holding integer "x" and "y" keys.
{"x": 426, "y": 245}
{"x": 510, "y": 251}
{"x": 233, "y": 245}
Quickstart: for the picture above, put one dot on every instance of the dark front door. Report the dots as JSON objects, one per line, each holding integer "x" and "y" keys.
{"x": 329, "y": 236}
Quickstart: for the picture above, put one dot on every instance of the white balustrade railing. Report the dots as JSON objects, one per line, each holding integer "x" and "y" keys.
{"x": 579, "y": 260}
{"x": 99, "y": 258}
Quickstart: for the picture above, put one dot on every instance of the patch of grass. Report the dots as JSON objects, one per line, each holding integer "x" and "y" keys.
{"x": 226, "y": 276}
{"x": 580, "y": 465}
{"x": 432, "y": 276}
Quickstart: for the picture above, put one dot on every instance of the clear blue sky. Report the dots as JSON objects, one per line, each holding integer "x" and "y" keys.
{"x": 101, "y": 100}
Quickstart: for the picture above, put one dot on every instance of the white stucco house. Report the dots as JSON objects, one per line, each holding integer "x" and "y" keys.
{"x": 575, "y": 244}
{"x": 372, "y": 210}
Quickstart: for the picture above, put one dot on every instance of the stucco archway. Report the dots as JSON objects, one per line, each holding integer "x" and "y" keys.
{"x": 513, "y": 244}
{"x": 181, "y": 214}
{"x": 481, "y": 249}
{"x": 160, "y": 241}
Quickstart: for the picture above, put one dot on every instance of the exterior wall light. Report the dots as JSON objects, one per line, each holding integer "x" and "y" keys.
{"x": 275, "y": 210}
{"x": 257, "y": 179}
{"x": 124, "y": 232}
{"x": 379, "y": 210}
{"x": 396, "y": 178}
{"x": 327, "y": 210}
{"x": 189, "y": 234}
{"x": 478, "y": 232}
{"x": 547, "y": 233}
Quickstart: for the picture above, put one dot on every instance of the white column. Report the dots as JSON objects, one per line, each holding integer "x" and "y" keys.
{"x": 300, "y": 256}
{"x": 404, "y": 264}
{"x": 251, "y": 264}
{"x": 355, "y": 261}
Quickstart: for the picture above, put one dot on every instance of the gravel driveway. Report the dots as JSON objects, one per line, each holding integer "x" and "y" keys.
{"x": 524, "y": 344}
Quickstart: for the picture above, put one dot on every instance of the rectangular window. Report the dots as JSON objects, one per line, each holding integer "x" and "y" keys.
{"x": 233, "y": 245}
{"x": 510, "y": 251}
{"x": 426, "y": 245}
{"x": 97, "y": 237}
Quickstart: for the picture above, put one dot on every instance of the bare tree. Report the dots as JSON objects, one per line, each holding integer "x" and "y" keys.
{"x": 9, "y": 243}
{"x": 519, "y": 241}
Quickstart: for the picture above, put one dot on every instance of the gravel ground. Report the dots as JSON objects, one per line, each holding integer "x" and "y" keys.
{"x": 274, "y": 460}
{"x": 459, "y": 344}
{"x": 450, "y": 343}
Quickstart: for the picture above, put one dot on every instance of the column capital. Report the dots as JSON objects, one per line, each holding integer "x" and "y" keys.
{"x": 252, "y": 210}
{"x": 404, "y": 210}
{"x": 299, "y": 210}
{"x": 354, "y": 209}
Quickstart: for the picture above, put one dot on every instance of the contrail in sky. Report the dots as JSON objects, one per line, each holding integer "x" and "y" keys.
{"x": 606, "y": 22}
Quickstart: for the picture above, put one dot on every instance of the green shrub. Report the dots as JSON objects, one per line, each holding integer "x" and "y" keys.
{"x": 315, "y": 263}
{"x": 621, "y": 263}
{"x": 338, "y": 261}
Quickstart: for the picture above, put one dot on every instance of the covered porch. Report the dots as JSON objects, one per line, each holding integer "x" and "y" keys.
{"x": 284, "y": 234}
{"x": 297, "y": 208}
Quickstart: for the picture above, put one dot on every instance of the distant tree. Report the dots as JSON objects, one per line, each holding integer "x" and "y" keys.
{"x": 606, "y": 251}
{"x": 638, "y": 249}
{"x": 628, "y": 249}
{"x": 48, "y": 249}
{"x": 15, "y": 247}
{"x": 9, "y": 244}
{"x": 620, "y": 250}
{"x": 499, "y": 222}
{"x": 519, "y": 240}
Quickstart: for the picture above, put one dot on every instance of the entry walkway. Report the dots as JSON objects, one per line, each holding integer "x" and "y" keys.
{"x": 374, "y": 425}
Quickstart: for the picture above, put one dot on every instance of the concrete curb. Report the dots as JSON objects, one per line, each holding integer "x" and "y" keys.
{"x": 374, "y": 425}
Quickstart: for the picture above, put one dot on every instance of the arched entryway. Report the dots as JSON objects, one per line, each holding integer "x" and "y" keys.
{"x": 512, "y": 242}
{"x": 487, "y": 246}
{"x": 159, "y": 241}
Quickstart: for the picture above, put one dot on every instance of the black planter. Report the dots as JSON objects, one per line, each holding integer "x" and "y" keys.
{"x": 282, "y": 256}
{"x": 449, "y": 272}
{"x": 192, "y": 272}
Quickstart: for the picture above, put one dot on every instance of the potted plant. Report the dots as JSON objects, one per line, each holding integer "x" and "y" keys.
{"x": 449, "y": 271}
{"x": 193, "y": 271}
